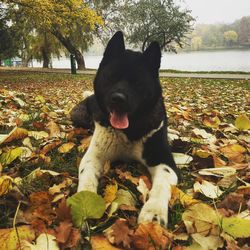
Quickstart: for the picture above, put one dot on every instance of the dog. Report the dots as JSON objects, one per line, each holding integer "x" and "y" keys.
{"x": 130, "y": 123}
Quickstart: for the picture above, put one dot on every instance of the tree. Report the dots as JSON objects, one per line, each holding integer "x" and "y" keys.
{"x": 230, "y": 37}
{"x": 8, "y": 39}
{"x": 244, "y": 31}
{"x": 155, "y": 20}
{"x": 196, "y": 43}
{"x": 70, "y": 21}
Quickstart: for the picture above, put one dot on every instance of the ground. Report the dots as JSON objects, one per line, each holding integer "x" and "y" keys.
{"x": 40, "y": 152}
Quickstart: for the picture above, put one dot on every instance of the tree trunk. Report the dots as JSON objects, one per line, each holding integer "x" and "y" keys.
{"x": 45, "y": 52}
{"x": 71, "y": 48}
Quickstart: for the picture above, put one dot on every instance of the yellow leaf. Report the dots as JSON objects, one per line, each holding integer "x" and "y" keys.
{"x": 202, "y": 153}
{"x": 178, "y": 195}
{"x": 38, "y": 135}
{"x": 242, "y": 122}
{"x": 99, "y": 242}
{"x": 10, "y": 156}
{"x": 40, "y": 98}
{"x": 211, "y": 122}
{"x": 5, "y": 184}
{"x": 15, "y": 134}
{"x": 9, "y": 239}
{"x": 66, "y": 147}
{"x": 110, "y": 192}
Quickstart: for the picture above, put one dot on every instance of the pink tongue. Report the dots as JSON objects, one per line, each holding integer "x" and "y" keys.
{"x": 119, "y": 121}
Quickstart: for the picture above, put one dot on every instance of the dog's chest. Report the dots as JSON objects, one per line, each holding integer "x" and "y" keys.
{"x": 114, "y": 145}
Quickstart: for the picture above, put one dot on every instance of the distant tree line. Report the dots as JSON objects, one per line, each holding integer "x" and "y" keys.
{"x": 44, "y": 29}
{"x": 209, "y": 36}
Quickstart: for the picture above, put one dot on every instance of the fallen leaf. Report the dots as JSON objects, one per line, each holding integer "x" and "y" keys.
{"x": 212, "y": 122}
{"x": 44, "y": 241}
{"x": 86, "y": 205}
{"x": 66, "y": 147}
{"x": 57, "y": 188}
{"x": 40, "y": 98}
{"x": 99, "y": 242}
{"x": 10, "y": 156}
{"x": 10, "y": 240}
{"x": 38, "y": 135}
{"x": 202, "y": 223}
{"x": 5, "y": 184}
{"x": 151, "y": 236}
{"x": 15, "y": 134}
{"x": 208, "y": 189}
{"x": 178, "y": 195}
{"x": 110, "y": 192}
{"x": 236, "y": 227}
{"x": 242, "y": 122}
{"x": 120, "y": 233}
{"x": 54, "y": 130}
{"x": 182, "y": 160}
{"x": 208, "y": 242}
{"x": 50, "y": 146}
{"x": 218, "y": 172}
{"x": 234, "y": 152}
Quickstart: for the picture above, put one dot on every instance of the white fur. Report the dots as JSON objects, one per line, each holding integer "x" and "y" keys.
{"x": 156, "y": 207}
{"x": 109, "y": 144}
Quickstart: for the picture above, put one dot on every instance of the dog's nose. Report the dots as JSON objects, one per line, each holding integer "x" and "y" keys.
{"x": 118, "y": 98}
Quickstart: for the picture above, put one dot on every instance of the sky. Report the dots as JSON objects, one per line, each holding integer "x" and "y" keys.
{"x": 218, "y": 11}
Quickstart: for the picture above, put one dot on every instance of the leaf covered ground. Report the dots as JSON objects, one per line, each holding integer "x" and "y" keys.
{"x": 40, "y": 151}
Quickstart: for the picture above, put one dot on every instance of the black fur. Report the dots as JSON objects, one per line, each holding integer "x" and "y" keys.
{"x": 134, "y": 76}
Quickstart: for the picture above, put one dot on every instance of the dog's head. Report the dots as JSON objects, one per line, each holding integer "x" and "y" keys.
{"x": 127, "y": 82}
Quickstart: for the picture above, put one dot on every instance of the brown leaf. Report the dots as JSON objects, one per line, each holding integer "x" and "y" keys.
{"x": 54, "y": 129}
{"x": 127, "y": 176}
{"x": 63, "y": 231}
{"x": 234, "y": 152}
{"x": 16, "y": 134}
{"x": 119, "y": 233}
{"x": 99, "y": 242}
{"x": 234, "y": 202}
{"x": 151, "y": 236}
{"x": 211, "y": 122}
{"x": 50, "y": 146}
{"x": 63, "y": 211}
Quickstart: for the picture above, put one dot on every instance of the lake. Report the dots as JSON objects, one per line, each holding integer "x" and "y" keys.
{"x": 224, "y": 60}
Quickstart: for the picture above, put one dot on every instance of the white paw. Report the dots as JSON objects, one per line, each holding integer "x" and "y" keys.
{"x": 154, "y": 210}
{"x": 86, "y": 183}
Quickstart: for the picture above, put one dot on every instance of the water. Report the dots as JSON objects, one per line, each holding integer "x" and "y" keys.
{"x": 224, "y": 60}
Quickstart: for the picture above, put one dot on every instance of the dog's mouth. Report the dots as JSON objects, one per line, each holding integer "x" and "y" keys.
{"x": 119, "y": 120}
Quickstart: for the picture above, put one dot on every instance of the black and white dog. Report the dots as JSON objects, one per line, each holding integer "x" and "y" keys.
{"x": 130, "y": 123}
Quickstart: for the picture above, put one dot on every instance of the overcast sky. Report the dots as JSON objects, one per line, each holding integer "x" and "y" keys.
{"x": 218, "y": 11}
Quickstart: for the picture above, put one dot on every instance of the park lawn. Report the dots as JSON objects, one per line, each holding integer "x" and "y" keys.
{"x": 209, "y": 131}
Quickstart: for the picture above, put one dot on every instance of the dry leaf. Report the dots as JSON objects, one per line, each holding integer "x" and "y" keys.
{"x": 110, "y": 192}
{"x": 54, "y": 130}
{"x": 119, "y": 233}
{"x": 208, "y": 189}
{"x": 66, "y": 147}
{"x": 99, "y": 242}
{"x": 5, "y": 184}
{"x": 151, "y": 236}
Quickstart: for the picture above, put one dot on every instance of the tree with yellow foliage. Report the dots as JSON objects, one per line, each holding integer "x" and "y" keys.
{"x": 70, "y": 21}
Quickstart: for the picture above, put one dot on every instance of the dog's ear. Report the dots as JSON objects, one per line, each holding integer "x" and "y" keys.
{"x": 115, "y": 47}
{"x": 152, "y": 56}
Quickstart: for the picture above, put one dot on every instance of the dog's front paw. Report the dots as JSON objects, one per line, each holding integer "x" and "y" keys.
{"x": 154, "y": 210}
{"x": 87, "y": 184}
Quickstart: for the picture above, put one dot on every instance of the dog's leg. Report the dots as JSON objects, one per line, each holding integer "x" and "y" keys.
{"x": 156, "y": 207}
{"x": 90, "y": 170}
